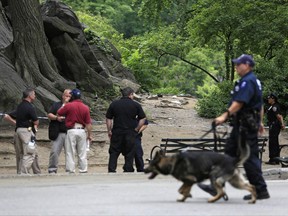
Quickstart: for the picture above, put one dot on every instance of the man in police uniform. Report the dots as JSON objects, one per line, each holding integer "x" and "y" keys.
{"x": 26, "y": 121}
{"x": 246, "y": 108}
{"x": 121, "y": 122}
{"x": 275, "y": 123}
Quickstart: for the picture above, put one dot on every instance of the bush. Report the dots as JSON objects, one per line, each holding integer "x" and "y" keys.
{"x": 213, "y": 99}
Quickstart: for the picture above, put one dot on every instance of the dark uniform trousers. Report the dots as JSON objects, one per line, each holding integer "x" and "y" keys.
{"x": 139, "y": 154}
{"x": 253, "y": 164}
{"x": 122, "y": 142}
{"x": 274, "y": 131}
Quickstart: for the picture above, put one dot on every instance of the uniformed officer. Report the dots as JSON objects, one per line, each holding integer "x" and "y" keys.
{"x": 247, "y": 111}
{"x": 121, "y": 122}
{"x": 26, "y": 121}
{"x": 275, "y": 123}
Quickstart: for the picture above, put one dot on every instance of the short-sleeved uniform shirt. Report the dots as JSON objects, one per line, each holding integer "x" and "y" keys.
{"x": 249, "y": 91}
{"x": 272, "y": 113}
{"x": 25, "y": 115}
{"x": 75, "y": 112}
{"x": 124, "y": 113}
{"x": 53, "y": 109}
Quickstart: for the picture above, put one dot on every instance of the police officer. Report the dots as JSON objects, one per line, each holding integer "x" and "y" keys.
{"x": 139, "y": 162}
{"x": 26, "y": 121}
{"x": 275, "y": 123}
{"x": 246, "y": 104}
{"x": 121, "y": 119}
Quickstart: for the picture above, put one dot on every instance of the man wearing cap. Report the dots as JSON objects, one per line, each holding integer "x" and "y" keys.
{"x": 246, "y": 103}
{"x": 121, "y": 119}
{"x": 77, "y": 119}
{"x": 275, "y": 123}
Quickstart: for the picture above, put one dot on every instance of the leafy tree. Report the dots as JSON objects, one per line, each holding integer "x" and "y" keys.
{"x": 121, "y": 14}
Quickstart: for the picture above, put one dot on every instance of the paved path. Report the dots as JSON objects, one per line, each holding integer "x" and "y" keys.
{"x": 124, "y": 194}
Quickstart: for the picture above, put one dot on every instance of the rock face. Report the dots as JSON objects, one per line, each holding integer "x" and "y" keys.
{"x": 84, "y": 65}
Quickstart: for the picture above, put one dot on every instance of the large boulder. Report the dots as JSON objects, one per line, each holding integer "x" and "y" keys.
{"x": 83, "y": 65}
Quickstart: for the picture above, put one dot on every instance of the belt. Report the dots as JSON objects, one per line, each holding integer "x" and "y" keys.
{"x": 75, "y": 128}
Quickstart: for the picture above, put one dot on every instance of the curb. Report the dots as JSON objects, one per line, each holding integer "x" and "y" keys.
{"x": 275, "y": 174}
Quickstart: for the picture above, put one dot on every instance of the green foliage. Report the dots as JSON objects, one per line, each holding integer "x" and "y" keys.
{"x": 208, "y": 33}
{"x": 166, "y": 90}
{"x": 99, "y": 26}
{"x": 120, "y": 14}
{"x": 213, "y": 99}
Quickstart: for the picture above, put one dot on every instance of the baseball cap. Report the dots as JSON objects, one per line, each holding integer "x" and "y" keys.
{"x": 273, "y": 96}
{"x": 244, "y": 59}
{"x": 76, "y": 93}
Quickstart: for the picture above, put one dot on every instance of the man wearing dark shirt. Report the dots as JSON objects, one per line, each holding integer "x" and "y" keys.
{"x": 26, "y": 127}
{"x": 57, "y": 131}
{"x": 121, "y": 118}
{"x": 275, "y": 123}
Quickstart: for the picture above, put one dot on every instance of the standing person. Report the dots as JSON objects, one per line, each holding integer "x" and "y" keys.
{"x": 275, "y": 123}
{"x": 57, "y": 131}
{"x": 27, "y": 123}
{"x": 139, "y": 150}
{"x": 77, "y": 119}
{"x": 11, "y": 117}
{"x": 246, "y": 109}
{"x": 121, "y": 118}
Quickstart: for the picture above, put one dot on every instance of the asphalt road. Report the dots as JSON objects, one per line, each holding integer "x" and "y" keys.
{"x": 125, "y": 194}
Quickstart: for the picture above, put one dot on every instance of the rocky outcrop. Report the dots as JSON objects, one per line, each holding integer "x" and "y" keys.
{"x": 87, "y": 66}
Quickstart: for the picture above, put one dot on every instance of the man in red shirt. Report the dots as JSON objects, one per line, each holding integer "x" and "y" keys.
{"x": 77, "y": 119}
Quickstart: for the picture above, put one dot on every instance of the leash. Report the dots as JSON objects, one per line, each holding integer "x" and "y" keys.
{"x": 213, "y": 128}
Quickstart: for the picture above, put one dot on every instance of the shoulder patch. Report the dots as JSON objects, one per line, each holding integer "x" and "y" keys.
{"x": 243, "y": 84}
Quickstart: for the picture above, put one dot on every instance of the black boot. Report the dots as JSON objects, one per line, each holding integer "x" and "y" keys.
{"x": 260, "y": 196}
{"x": 207, "y": 188}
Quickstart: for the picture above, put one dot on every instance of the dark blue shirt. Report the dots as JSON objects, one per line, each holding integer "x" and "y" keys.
{"x": 248, "y": 90}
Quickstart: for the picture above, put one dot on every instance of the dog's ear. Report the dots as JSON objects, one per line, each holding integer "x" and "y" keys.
{"x": 162, "y": 152}
{"x": 159, "y": 153}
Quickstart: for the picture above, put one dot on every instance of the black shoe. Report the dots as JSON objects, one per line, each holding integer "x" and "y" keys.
{"x": 260, "y": 196}
{"x": 52, "y": 172}
{"x": 207, "y": 188}
{"x": 272, "y": 163}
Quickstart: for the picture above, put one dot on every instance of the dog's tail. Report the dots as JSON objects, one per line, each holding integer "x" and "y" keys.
{"x": 243, "y": 151}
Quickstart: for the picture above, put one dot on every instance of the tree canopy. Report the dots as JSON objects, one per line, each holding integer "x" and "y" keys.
{"x": 186, "y": 46}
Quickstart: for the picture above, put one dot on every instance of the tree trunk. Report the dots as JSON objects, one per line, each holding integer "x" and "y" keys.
{"x": 33, "y": 57}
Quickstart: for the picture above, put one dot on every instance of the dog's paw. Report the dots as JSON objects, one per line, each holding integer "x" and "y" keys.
{"x": 211, "y": 200}
{"x": 181, "y": 199}
{"x": 252, "y": 201}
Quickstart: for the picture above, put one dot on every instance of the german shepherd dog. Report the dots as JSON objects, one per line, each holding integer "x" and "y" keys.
{"x": 195, "y": 167}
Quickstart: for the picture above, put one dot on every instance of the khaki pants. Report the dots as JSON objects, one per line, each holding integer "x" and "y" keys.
{"x": 75, "y": 143}
{"x": 25, "y": 161}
